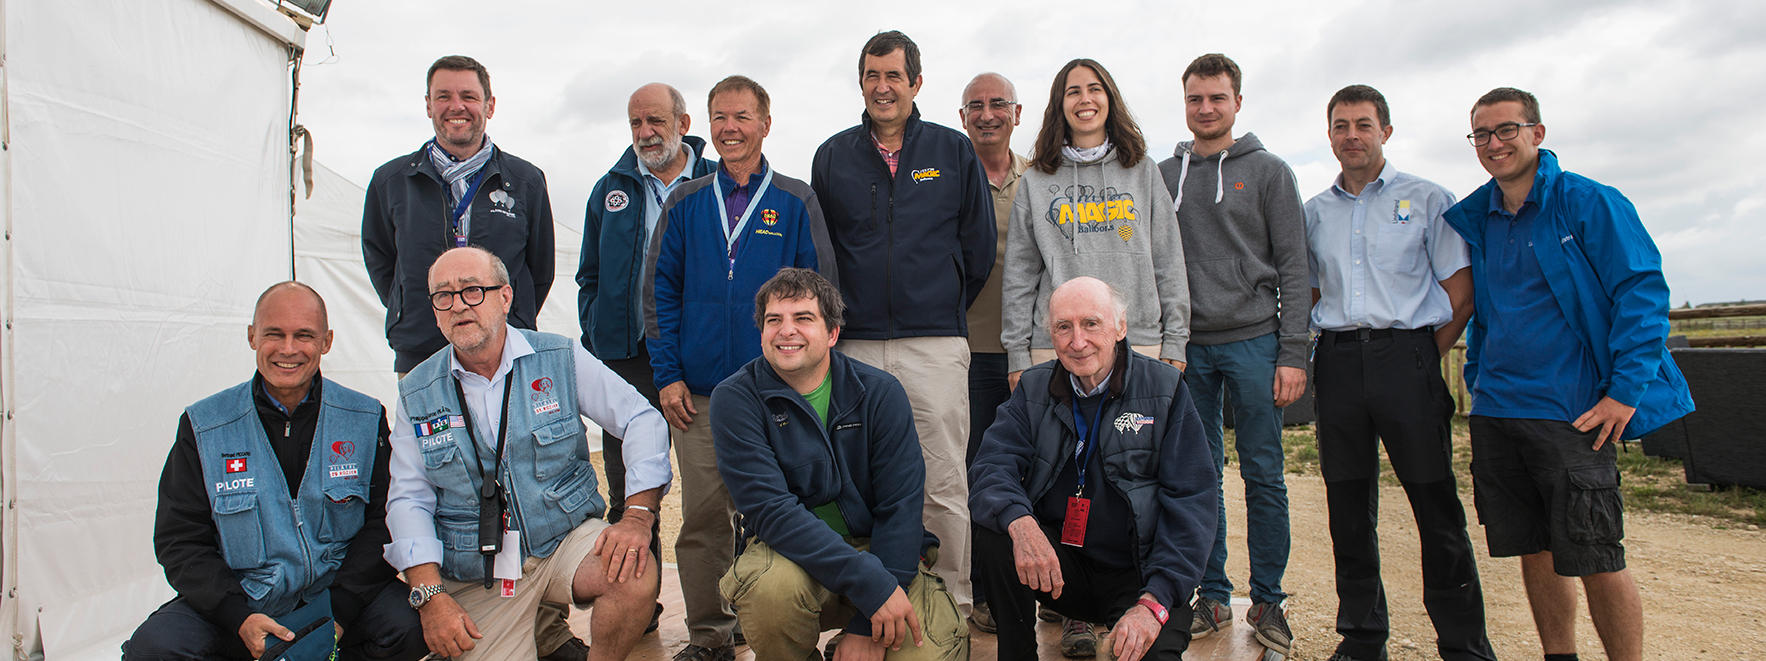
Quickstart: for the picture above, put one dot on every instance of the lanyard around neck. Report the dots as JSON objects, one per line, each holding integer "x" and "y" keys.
{"x": 723, "y": 213}
{"x": 1088, "y": 439}
{"x": 487, "y": 486}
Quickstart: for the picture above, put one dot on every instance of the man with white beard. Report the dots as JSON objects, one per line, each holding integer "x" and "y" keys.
{"x": 622, "y": 215}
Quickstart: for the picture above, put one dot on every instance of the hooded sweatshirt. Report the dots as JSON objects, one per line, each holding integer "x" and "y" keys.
{"x": 1244, "y": 230}
{"x": 1106, "y": 221}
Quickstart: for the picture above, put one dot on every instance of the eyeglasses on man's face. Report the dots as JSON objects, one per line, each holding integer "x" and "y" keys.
{"x": 1503, "y": 132}
{"x": 471, "y": 296}
{"x": 997, "y": 105}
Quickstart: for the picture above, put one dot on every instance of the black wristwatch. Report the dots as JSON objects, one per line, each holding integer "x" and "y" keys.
{"x": 421, "y": 594}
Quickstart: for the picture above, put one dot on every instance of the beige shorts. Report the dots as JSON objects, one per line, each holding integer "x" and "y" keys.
{"x": 508, "y": 622}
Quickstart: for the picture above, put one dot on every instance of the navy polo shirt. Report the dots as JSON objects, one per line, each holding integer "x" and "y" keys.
{"x": 1533, "y": 365}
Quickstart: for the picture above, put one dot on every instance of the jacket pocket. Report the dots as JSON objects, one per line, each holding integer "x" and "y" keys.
{"x": 345, "y": 509}
{"x": 1398, "y": 248}
{"x": 457, "y": 528}
{"x": 575, "y": 488}
{"x": 557, "y": 445}
{"x": 1222, "y": 280}
{"x": 1595, "y": 512}
{"x": 241, "y": 530}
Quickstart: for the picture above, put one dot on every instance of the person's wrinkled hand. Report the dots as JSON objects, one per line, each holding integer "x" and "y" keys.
{"x": 624, "y": 547}
{"x": 447, "y": 629}
{"x": 677, "y": 405}
{"x": 1037, "y": 564}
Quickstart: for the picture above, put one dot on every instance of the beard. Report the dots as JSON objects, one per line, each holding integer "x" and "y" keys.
{"x": 671, "y": 147}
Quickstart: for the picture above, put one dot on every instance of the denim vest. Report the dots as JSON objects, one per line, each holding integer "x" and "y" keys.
{"x": 551, "y": 486}
{"x": 284, "y": 551}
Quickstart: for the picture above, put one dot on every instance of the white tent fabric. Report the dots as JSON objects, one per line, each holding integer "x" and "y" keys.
{"x": 146, "y": 201}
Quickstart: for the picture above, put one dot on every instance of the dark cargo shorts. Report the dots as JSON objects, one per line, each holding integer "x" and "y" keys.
{"x": 1539, "y": 487}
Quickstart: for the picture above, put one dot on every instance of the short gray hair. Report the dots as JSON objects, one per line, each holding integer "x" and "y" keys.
{"x": 1118, "y": 305}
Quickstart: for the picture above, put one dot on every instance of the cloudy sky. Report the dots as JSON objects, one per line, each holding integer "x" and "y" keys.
{"x": 1664, "y": 100}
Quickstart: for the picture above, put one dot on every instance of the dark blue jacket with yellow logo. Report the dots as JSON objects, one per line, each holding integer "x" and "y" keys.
{"x": 699, "y": 309}
{"x": 915, "y": 248}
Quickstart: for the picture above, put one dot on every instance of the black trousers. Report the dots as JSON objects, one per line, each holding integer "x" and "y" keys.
{"x": 636, "y": 371}
{"x": 387, "y": 629}
{"x": 1388, "y": 388}
{"x": 1092, "y": 593}
{"x": 987, "y": 391}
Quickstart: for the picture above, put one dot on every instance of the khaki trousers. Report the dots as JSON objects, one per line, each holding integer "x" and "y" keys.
{"x": 784, "y": 611}
{"x": 935, "y": 373}
{"x": 707, "y": 542}
{"x": 508, "y": 623}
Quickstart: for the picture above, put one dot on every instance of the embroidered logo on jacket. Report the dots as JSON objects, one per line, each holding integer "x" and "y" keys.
{"x": 1401, "y": 212}
{"x": 925, "y": 174}
{"x": 616, "y": 201}
{"x": 770, "y": 217}
{"x": 502, "y": 203}
{"x": 1132, "y": 421}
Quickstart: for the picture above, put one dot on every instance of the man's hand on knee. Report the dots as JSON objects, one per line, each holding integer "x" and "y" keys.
{"x": 624, "y": 547}
{"x": 893, "y": 621}
{"x": 1038, "y": 566}
{"x": 860, "y": 648}
{"x": 447, "y": 628}
{"x": 1134, "y": 633}
{"x": 253, "y": 630}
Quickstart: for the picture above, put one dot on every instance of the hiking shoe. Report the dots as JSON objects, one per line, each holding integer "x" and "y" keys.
{"x": 834, "y": 643}
{"x": 573, "y": 649}
{"x": 982, "y": 618}
{"x": 697, "y": 653}
{"x": 655, "y": 620}
{"x": 1208, "y": 616}
{"x": 1043, "y": 613}
{"x": 1270, "y": 623}
{"x": 1078, "y": 640}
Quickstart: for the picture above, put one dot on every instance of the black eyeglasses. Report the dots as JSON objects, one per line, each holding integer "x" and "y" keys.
{"x": 999, "y": 105}
{"x": 472, "y": 296}
{"x": 1504, "y": 132}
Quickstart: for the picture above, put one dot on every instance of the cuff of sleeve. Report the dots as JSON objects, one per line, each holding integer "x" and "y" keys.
{"x": 1175, "y": 350}
{"x": 1293, "y": 352}
{"x": 1018, "y": 360}
{"x": 345, "y": 606}
{"x": 859, "y": 626}
{"x": 231, "y": 613}
{"x": 1011, "y": 512}
{"x": 1165, "y": 593}
{"x": 1626, "y": 393}
{"x": 404, "y": 554}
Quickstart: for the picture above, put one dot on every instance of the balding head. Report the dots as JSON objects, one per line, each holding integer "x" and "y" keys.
{"x": 291, "y": 288}
{"x": 289, "y": 331}
{"x": 1087, "y": 319}
{"x": 989, "y": 112}
{"x": 992, "y": 79}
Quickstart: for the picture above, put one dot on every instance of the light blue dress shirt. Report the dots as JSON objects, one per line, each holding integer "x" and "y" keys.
{"x": 657, "y": 191}
{"x": 1377, "y": 258}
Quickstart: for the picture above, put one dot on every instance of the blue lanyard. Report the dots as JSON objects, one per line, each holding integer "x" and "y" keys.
{"x": 466, "y": 201}
{"x": 723, "y": 215}
{"x": 1088, "y": 438}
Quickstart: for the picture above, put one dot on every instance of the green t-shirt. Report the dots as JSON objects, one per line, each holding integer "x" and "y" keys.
{"x": 828, "y": 512}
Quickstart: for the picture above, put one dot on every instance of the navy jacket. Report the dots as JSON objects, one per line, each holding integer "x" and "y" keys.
{"x": 699, "y": 310}
{"x": 1606, "y": 274}
{"x": 914, "y": 249}
{"x": 405, "y": 227}
{"x": 779, "y": 462}
{"x": 610, "y": 273}
{"x": 1153, "y": 453}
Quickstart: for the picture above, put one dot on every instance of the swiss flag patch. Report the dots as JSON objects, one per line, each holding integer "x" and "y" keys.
{"x": 236, "y": 465}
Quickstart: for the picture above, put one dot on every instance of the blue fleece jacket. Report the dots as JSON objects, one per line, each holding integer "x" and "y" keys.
{"x": 699, "y": 309}
{"x": 779, "y": 461}
{"x": 1606, "y": 274}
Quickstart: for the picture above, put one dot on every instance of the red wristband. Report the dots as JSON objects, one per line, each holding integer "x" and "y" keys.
{"x": 1159, "y": 612}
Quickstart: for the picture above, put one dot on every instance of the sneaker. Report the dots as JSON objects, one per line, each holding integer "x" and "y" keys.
{"x": 1078, "y": 640}
{"x": 1270, "y": 623}
{"x": 697, "y": 653}
{"x": 982, "y": 618}
{"x": 1043, "y": 613}
{"x": 1208, "y": 616}
{"x": 573, "y": 649}
{"x": 655, "y": 620}
{"x": 834, "y": 643}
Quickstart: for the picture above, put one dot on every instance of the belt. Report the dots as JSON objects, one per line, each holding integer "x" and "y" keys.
{"x": 1365, "y": 334}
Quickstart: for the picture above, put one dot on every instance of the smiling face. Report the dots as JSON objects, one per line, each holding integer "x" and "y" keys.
{"x": 795, "y": 339}
{"x": 1210, "y": 105}
{"x": 470, "y": 328}
{"x": 889, "y": 94}
{"x": 1085, "y": 327}
{"x": 737, "y": 127}
{"x": 1513, "y": 159}
{"x": 656, "y": 129}
{"x": 1357, "y": 137}
{"x": 458, "y": 107}
{"x": 289, "y": 334}
{"x": 1086, "y": 105}
{"x": 990, "y": 123}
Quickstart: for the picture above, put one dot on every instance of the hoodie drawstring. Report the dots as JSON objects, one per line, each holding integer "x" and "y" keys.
{"x": 1183, "y": 173}
{"x": 1220, "y": 178}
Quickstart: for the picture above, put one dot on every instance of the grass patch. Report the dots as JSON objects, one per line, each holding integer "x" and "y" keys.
{"x": 1649, "y": 484}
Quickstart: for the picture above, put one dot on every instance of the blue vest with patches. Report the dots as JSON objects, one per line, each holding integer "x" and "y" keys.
{"x": 283, "y": 551}
{"x": 551, "y": 485}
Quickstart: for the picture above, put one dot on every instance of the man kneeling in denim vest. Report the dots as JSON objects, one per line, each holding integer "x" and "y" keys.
{"x": 494, "y": 505}
{"x": 249, "y": 569}
{"x": 821, "y": 458}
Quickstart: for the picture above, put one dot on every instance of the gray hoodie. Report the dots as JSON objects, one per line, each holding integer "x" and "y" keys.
{"x": 1102, "y": 220}
{"x": 1244, "y": 230}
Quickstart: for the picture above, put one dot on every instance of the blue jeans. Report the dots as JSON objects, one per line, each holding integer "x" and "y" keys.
{"x": 1247, "y": 367}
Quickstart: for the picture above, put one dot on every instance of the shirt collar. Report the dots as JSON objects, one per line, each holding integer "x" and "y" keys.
{"x": 1103, "y": 385}
{"x": 1496, "y": 200}
{"x": 264, "y": 393}
{"x": 728, "y": 183}
{"x": 1386, "y": 174}
{"x": 515, "y": 345}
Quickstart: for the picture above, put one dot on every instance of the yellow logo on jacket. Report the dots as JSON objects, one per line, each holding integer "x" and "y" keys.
{"x": 924, "y": 174}
{"x": 1096, "y": 212}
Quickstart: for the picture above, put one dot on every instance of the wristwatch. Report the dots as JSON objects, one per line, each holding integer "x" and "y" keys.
{"x": 1158, "y": 610}
{"x": 421, "y": 594}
